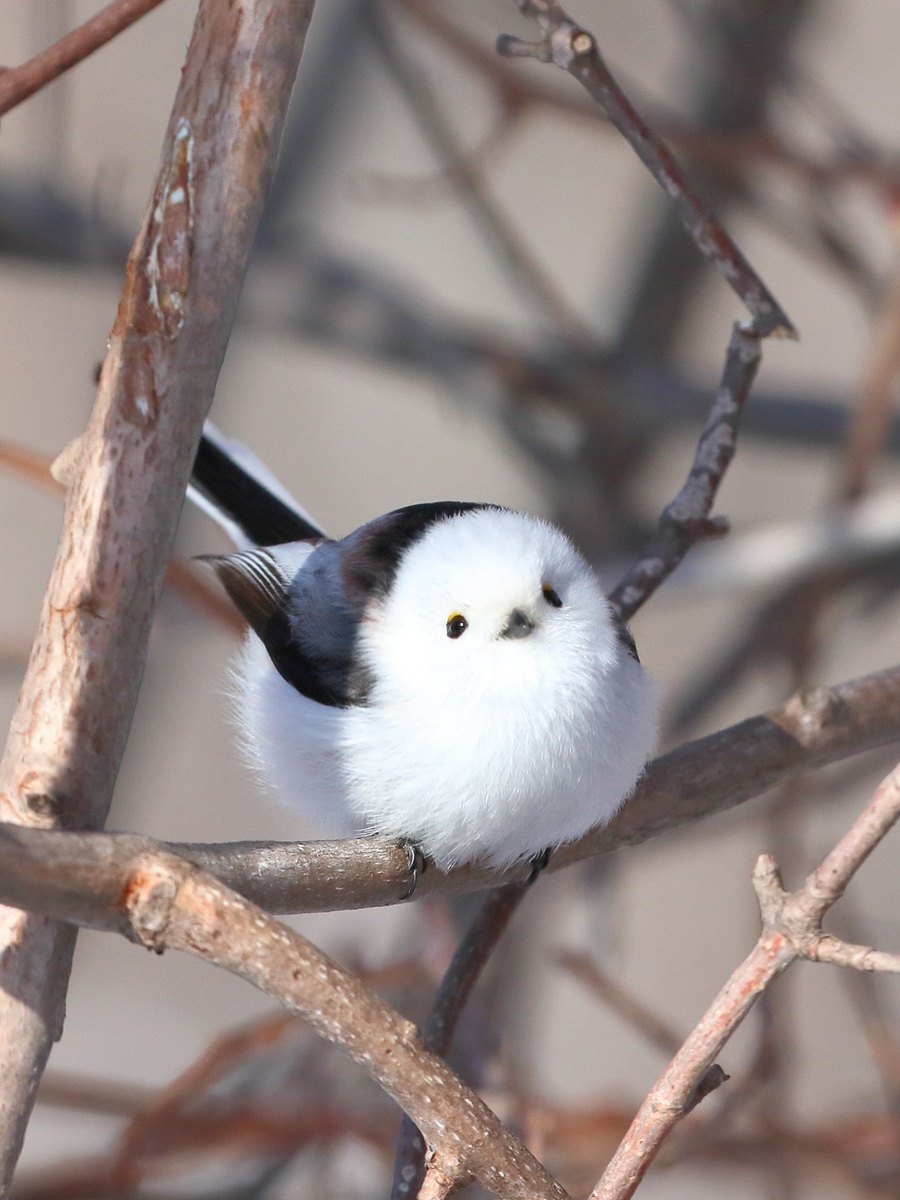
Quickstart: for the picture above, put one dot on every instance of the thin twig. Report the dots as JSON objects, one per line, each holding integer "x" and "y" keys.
{"x": 575, "y": 50}
{"x": 725, "y": 153}
{"x": 468, "y": 962}
{"x": 791, "y": 930}
{"x": 18, "y": 83}
{"x": 685, "y": 519}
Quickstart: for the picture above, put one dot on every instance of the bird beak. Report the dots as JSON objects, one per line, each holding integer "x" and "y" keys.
{"x": 518, "y": 625}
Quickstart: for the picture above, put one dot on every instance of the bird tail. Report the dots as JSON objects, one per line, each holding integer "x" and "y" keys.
{"x": 231, "y": 485}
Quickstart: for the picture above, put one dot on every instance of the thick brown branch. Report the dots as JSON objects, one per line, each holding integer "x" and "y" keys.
{"x": 126, "y": 477}
{"x": 162, "y": 902}
{"x": 18, "y": 83}
{"x": 817, "y": 727}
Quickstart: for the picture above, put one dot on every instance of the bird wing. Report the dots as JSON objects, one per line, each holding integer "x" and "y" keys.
{"x": 293, "y": 599}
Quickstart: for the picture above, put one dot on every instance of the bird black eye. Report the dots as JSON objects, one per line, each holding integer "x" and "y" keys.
{"x": 456, "y": 625}
{"x": 551, "y": 597}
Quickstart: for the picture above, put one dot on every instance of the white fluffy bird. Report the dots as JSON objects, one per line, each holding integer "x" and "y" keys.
{"x": 448, "y": 674}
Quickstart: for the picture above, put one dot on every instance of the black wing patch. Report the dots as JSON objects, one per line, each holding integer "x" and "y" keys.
{"x": 262, "y": 590}
{"x": 264, "y": 518}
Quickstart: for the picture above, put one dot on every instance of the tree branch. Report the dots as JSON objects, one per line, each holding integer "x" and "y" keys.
{"x": 574, "y": 50}
{"x": 685, "y": 520}
{"x": 18, "y": 83}
{"x": 162, "y": 902}
{"x": 715, "y": 773}
{"x": 791, "y": 930}
{"x": 126, "y": 477}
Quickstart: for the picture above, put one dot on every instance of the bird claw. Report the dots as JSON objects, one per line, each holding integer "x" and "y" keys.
{"x": 416, "y": 865}
{"x": 538, "y": 864}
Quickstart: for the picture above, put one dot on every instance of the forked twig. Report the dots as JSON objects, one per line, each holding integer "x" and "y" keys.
{"x": 686, "y": 519}
{"x": 572, "y": 48}
{"x": 792, "y": 929}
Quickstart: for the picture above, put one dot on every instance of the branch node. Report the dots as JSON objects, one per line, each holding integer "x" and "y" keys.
{"x": 812, "y": 709}
{"x": 711, "y": 1081}
{"x": 66, "y": 467}
{"x": 582, "y": 42}
{"x": 148, "y": 899}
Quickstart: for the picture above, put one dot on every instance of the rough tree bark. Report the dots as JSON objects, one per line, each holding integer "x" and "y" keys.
{"x": 125, "y": 479}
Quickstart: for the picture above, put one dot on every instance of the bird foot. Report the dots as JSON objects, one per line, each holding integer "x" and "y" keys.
{"x": 417, "y": 864}
{"x": 538, "y": 864}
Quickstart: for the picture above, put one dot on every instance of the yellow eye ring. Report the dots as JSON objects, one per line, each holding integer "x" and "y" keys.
{"x": 550, "y": 595}
{"x": 456, "y": 625}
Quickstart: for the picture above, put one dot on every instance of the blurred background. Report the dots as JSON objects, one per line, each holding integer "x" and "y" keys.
{"x": 467, "y": 287}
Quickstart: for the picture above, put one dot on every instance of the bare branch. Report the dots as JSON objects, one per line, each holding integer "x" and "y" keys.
{"x": 847, "y": 954}
{"x": 725, "y": 153}
{"x": 685, "y": 520}
{"x": 574, "y": 50}
{"x": 468, "y": 962}
{"x": 18, "y": 83}
{"x": 791, "y": 930}
{"x": 162, "y": 902}
{"x": 715, "y": 773}
{"x": 125, "y": 478}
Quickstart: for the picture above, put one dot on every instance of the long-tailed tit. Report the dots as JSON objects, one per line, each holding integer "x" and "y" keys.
{"x": 449, "y": 674}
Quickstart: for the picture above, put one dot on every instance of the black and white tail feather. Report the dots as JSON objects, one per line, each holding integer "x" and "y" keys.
{"x": 449, "y": 674}
{"x": 231, "y": 485}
